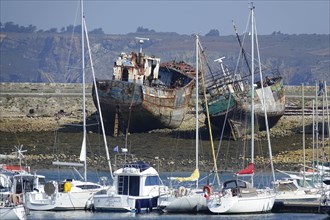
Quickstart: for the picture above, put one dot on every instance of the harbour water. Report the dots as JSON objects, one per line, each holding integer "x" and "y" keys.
{"x": 40, "y": 143}
{"x": 94, "y": 176}
{"x": 154, "y": 215}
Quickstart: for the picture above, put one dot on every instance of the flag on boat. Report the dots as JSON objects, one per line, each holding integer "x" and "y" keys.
{"x": 248, "y": 170}
{"x": 193, "y": 177}
{"x": 115, "y": 149}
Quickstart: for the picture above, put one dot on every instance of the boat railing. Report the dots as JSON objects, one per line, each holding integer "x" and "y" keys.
{"x": 221, "y": 82}
{"x": 139, "y": 166}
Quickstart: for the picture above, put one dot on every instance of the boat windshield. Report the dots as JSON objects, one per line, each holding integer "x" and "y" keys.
{"x": 287, "y": 186}
{"x": 152, "y": 181}
{"x": 305, "y": 183}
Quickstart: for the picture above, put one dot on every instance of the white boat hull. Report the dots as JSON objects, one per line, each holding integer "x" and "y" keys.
{"x": 183, "y": 204}
{"x": 124, "y": 203}
{"x": 294, "y": 198}
{"x": 58, "y": 202}
{"x": 12, "y": 212}
{"x": 296, "y": 202}
{"x": 234, "y": 204}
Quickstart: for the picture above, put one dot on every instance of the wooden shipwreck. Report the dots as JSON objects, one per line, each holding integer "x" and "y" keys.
{"x": 144, "y": 94}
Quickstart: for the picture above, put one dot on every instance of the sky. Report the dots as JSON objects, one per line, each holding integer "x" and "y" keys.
{"x": 182, "y": 17}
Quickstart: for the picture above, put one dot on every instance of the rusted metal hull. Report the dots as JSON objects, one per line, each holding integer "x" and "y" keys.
{"x": 144, "y": 107}
{"x": 236, "y": 115}
{"x": 274, "y": 102}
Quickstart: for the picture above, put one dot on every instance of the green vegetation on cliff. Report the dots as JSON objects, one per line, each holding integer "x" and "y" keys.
{"x": 51, "y": 56}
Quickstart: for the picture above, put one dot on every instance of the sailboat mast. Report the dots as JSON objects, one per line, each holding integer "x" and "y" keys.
{"x": 98, "y": 101}
{"x": 84, "y": 89}
{"x": 263, "y": 100}
{"x": 303, "y": 137}
{"x": 252, "y": 86}
{"x": 196, "y": 103}
{"x": 316, "y": 127}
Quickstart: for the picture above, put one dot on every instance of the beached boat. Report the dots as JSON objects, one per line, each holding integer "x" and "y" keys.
{"x": 145, "y": 94}
{"x": 136, "y": 188}
{"x": 229, "y": 100}
{"x": 229, "y": 95}
{"x": 238, "y": 195}
{"x": 274, "y": 101}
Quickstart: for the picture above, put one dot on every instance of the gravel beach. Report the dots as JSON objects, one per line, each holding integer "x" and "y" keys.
{"x": 29, "y": 117}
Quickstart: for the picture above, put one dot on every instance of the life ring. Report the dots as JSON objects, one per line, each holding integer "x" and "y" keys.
{"x": 207, "y": 191}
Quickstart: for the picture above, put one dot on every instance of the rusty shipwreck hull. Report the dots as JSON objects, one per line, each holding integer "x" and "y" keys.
{"x": 236, "y": 119}
{"x": 144, "y": 107}
{"x": 274, "y": 103}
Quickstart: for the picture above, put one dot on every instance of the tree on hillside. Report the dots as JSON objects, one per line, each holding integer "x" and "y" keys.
{"x": 11, "y": 27}
{"x": 141, "y": 29}
{"x": 69, "y": 29}
{"x": 77, "y": 29}
{"x": 213, "y": 33}
{"x": 52, "y": 30}
{"x": 31, "y": 29}
{"x": 97, "y": 31}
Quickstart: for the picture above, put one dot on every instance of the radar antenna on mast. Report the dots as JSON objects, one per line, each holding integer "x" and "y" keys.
{"x": 219, "y": 60}
{"x": 141, "y": 41}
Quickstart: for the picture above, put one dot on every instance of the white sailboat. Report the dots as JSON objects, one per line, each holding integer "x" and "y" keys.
{"x": 302, "y": 191}
{"x": 11, "y": 199}
{"x": 184, "y": 199}
{"x": 237, "y": 195}
{"x": 296, "y": 193}
{"x": 69, "y": 194}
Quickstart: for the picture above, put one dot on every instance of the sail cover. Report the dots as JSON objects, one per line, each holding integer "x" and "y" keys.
{"x": 248, "y": 170}
{"x": 83, "y": 149}
{"x": 193, "y": 177}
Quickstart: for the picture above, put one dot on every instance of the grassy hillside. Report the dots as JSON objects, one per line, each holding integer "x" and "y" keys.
{"x": 55, "y": 57}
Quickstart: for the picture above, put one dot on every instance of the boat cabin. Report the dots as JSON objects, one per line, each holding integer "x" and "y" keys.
{"x": 28, "y": 183}
{"x": 136, "y": 179}
{"x": 136, "y": 68}
{"x": 239, "y": 188}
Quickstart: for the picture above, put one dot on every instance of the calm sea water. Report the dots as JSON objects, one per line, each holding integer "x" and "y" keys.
{"x": 94, "y": 176}
{"x": 155, "y": 215}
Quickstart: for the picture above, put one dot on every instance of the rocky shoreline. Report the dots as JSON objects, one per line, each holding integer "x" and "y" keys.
{"x": 33, "y": 113}
{"x": 287, "y": 158}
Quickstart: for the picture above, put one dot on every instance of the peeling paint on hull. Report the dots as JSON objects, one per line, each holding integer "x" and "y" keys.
{"x": 241, "y": 108}
{"x": 144, "y": 107}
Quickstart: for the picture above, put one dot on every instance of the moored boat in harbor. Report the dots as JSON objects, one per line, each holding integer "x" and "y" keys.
{"x": 296, "y": 194}
{"x": 239, "y": 195}
{"x": 70, "y": 194}
{"x": 136, "y": 188}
